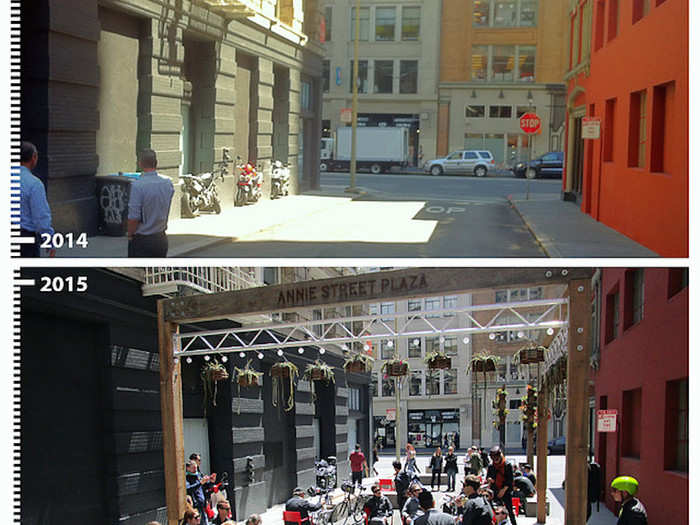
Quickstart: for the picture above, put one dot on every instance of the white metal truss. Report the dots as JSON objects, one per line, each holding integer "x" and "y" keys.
{"x": 557, "y": 348}
{"x": 398, "y": 325}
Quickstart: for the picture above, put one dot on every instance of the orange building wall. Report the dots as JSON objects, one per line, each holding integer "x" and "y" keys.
{"x": 651, "y": 208}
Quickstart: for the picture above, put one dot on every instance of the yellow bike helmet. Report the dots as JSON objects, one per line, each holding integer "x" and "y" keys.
{"x": 626, "y": 483}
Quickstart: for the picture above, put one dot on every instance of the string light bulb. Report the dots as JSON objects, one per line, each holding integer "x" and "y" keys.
{"x": 207, "y": 358}
{"x": 465, "y": 340}
{"x": 188, "y": 360}
{"x": 321, "y": 351}
{"x": 301, "y": 350}
{"x": 366, "y": 347}
{"x": 492, "y": 336}
{"x": 280, "y": 352}
{"x": 260, "y": 356}
{"x": 241, "y": 354}
{"x": 390, "y": 344}
{"x": 550, "y": 331}
{"x": 224, "y": 359}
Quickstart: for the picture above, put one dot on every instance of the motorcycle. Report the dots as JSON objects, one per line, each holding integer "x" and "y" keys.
{"x": 244, "y": 184}
{"x": 199, "y": 192}
{"x": 280, "y": 180}
{"x": 256, "y": 182}
{"x": 326, "y": 474}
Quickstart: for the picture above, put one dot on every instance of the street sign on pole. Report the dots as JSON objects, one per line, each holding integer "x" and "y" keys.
{"x": 530, "y": 123}
{"x": 346, "y": 115}
{"x": 391, "y": 414}
{"x": 590, "y": 128}
{"x": 607, "y": 421}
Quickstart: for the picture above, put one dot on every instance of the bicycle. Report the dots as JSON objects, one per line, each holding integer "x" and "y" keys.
{"x": 352, "y": 509}
{"x": 323, "y": 515}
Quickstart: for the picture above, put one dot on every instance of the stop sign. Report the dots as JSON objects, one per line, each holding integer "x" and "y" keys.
{"x": 530, "y": 123}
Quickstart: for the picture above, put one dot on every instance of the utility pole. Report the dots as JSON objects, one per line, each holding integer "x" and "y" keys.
{"x": 355, "y": 74}
{"x": 397, "y": 430}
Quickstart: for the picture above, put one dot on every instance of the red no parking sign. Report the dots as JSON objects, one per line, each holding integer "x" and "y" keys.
{"x": 530, "y": 123}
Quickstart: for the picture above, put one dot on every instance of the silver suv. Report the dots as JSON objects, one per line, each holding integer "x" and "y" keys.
{"x": 464, "y": 162}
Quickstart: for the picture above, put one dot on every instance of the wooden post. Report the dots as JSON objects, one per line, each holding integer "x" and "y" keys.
{"x": 577, "y": 401}
{"x": 171, "y": 416}
{"x": 542, "y": 422}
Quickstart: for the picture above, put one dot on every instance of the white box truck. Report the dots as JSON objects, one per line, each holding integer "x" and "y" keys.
{"x": 378, "y": 149}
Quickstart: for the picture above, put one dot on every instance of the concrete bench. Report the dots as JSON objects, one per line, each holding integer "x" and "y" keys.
{"x": 531, "y": 507}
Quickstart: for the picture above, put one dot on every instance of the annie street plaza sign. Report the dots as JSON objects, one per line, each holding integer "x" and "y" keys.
{"x": 530, "y": 123}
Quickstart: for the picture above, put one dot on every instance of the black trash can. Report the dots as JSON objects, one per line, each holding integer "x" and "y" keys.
{"x": 113, "y": 202}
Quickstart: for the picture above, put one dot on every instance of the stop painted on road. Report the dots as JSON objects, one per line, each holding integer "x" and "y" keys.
{"x": 442, "y": 209}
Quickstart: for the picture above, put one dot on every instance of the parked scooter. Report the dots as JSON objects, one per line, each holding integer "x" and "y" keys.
{"x": 244, "y": 184}
{"x": 280, "y": 180}
{"x": 199, "y": 192}
{"x": 256, "y": 182}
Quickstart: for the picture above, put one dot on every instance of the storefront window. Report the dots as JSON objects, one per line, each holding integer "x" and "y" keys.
{"x": 364, "y": 24}
{"x": 416, "y": 384}
{"x": 410, "y": 23}
{"x": 480, "y": 62}
{"x": 384, "y": 23}
{"x": 450, "y": 381}
{"x": 526, "y": 61}
{"x": 415, "y": 348}
{"x": 383, "y": 76}
{"x": 408, "y": 82}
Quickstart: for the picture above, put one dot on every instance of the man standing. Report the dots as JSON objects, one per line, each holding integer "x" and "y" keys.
{"x": 194, "y": 482}
{"x": 34, "y": 211}
{"x": 475, "y": 464}
{"x": 299, "y": 503}
{"x": 451, "y": 469}
{"x": 358, "y": 462}
{"x": 476, "y": 510}
{"x": 632, "y": 512}
{"x": 401, "y": 482}
{"x": 431, "y": 515}
{"x": 499, "y": 475}
{"x": 149, "y": 206}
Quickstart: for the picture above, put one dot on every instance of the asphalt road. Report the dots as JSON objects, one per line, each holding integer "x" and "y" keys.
{"x": 404, "y": 216}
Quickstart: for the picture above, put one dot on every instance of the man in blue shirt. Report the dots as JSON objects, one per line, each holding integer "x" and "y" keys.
{"x": 149, "y": 206}
{"x": 34, "y": 211}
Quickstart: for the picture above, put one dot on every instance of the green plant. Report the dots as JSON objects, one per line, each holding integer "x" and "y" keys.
{"x": 211, "y": 374}
{"x": 318, "y": 371}
{"x": 483, "y": 362}
{"x": 279, "y": 372}
{"x": 246, "y": 377}
{"x": 437, "y": 359}
{"x": 358, "y": 362}
{"x": 532, "y": 353}
{"x": 395, "y": 367}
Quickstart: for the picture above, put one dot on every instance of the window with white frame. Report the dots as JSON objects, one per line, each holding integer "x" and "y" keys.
{"x": 432, "y": 344}
{"x": 432, "y": 382}
{"x": 450, "y": 346}
{"x": 450, "y": 381}
{"x": 519, "y": 294}
{"x": 362, "y": 71}
{"x": 364, "y": 24}
{"x": 384, "y": 24}
{"x": 449, "y": 301}
{"x": 410, "y": 23}
{"x": 387, "y": 308}
{"x": 415, "y": 387}
{"x": 432, "y": 303}
{"x": 354, "y": 398}
{"x": 387, "y": 386}
{"x": 384, "y": 76}
{"x": 408, "y": 80}
{"x": 415, "y": 349}
{"x": 504, "y": 13}
{"x": 374, "y": 385}
{"x": 387, "y": 348}
{"x": 415, "y": 305}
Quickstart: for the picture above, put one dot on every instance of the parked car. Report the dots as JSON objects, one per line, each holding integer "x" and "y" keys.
{"x": 548, "y": 165}
{"x": 464, "y": 162}
{"x": 557, "y": 445}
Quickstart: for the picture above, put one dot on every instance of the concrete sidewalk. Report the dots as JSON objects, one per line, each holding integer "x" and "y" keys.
{"x": 563, "y": 230}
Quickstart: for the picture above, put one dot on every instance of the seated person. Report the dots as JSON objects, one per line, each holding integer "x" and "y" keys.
{"x": 500, "y": 515}
{"x": 527, "y": 472}
{"x": 523, "y": 487}
{"x": 299, "y": 503}
{"x": 411, "y": 509}
{"x": 379, "y": 509}
{"x": 476, "y": 510}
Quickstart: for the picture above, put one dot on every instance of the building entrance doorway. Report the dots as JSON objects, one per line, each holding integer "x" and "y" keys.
{"x": 576, "y": 174}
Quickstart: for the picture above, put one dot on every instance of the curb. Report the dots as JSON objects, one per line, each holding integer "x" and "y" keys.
{"x": 530, "y": 228}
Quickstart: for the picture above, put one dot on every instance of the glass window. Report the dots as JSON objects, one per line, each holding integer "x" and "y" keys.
{"x": 384, "y": 23}
{"x": 474, "y": 111}
{"x": 306, "y": 101}
{"x": 414, "y": 305}
{"x": 387, "y": 308}
{"x": 364, "y": 24}
{"x": 328, "y": 15}
{"x": 503, "y": 63}
{"x": 676, "y": 432}
{"x": 500, "y": 111}
{"x": 450, "y": 346}
{"x": 505, "y": 14}
{"x": 361, "y": 75}
{"x": 374, "y": 385}
{"x": 450, "y": 381}
{"x": 433, "y": 303}
{"x": 457, "y": 155}
{"x": 414, "y": 347}
{"x": 526, "y": 63}
{"x": 387, "y": 348}
{"x": 326, "y": 76}
{"x": 416, "y": 386}
{"x": 528, "y": 12}
{"x": 408, "y": 83}
{"x": 480, "y": 62}
{"x": 383, "y": 76}
{"x": 432, "y": 383}
{"x": 387, "y": 387}
{"x": 521, "y": 110}
{"x": 432, "y": 344}
{"x": 451, "y": 300}
{"x": 481, "y": 13}
{"x": 470, "y": 155}
{"x": 410, "y": 23}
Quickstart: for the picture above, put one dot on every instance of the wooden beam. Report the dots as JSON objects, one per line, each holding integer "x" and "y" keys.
{"x": 542, "y": 422}
{"x": 577, "y": 401}
{"x": 363, "y": 288}
{"x": 171, "y": 417}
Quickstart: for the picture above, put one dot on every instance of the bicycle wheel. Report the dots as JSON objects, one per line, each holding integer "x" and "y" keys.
{"x": 340, "y": 513}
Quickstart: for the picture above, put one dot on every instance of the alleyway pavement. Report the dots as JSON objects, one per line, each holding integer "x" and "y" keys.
{"x": 555, "y": 494}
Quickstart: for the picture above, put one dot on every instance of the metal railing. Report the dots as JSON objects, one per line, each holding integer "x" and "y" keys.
{"x": 169, "y": 281}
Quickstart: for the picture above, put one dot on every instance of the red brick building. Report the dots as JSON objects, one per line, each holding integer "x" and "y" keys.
{"x": 643, "y": 374}
{"x": 628, "y": 66}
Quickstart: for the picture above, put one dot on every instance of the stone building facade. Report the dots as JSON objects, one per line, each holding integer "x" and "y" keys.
{"x": 102, "y": 80}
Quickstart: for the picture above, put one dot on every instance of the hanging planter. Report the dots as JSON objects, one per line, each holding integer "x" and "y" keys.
{"x": 280, "y": 372}
{"x": 483, "y": 362}
{"x": 438, "y": 360}
{"x": 319, "y": 371}
{"x": 247, "y": 377}
{"x": 212, "y": 373}
{"x": 395, "y": 368}
{"x": 359, "y": 363}
{"x": 531, "y": 354}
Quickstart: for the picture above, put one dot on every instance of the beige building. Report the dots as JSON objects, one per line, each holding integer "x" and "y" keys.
{"x": 500, "y": 60}
{"x": 398, "y": 67}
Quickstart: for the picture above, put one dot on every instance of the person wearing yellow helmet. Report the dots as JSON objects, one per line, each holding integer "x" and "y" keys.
{"x": 632, "y": 512}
